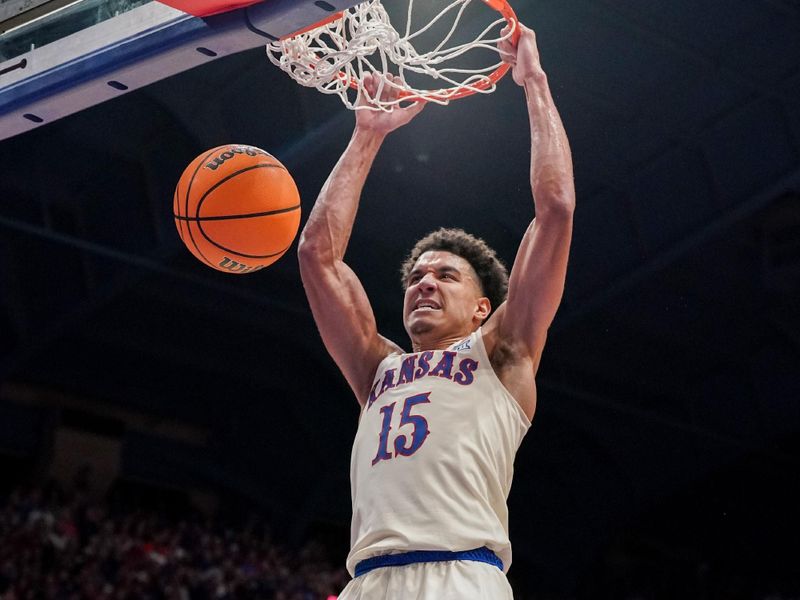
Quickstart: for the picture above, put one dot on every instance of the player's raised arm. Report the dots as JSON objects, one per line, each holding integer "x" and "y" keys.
{"x": 338, "y": 301}
{"x": 536, "y": 283}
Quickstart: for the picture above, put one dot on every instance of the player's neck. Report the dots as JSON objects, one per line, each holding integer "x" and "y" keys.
{"x": 431, "y": 341}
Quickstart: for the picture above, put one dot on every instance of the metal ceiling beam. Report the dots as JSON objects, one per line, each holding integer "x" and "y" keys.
{"x": 624, "y": 17}
{"x": 141, "y": 266}
{"x": 43, "y": 397}
{"x": 788, "y": 332}
{"x": 15, "y": 302}
{"x": 173, "y": 352}
{"x": 583, "y": 398}
{"x": 788, "y": 8}
{"x": 790, "y": 181}
{"x": 154, "y": 264}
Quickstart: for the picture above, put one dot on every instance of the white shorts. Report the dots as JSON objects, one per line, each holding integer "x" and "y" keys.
{"x": 444, "y": 580}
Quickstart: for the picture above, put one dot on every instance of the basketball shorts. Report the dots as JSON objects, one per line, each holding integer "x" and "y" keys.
{"x": 441, "y": 580}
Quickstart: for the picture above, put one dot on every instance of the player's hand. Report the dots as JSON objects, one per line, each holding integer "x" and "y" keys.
{"x": 523, "y": 57}
{"x": 381, "y": 121}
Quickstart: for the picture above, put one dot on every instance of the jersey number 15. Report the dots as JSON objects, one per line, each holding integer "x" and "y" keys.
{"x": 402, "y": 445}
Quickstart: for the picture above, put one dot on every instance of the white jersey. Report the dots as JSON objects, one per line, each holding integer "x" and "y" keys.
{"x": 433, "y": 456}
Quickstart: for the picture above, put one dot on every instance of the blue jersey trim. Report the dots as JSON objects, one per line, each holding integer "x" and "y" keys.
{"x": 483, "y": 555}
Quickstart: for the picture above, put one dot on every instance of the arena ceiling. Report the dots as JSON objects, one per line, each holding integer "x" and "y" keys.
{"x": 675, "y": 354}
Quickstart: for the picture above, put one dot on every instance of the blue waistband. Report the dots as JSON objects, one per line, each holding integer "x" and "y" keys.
{"x": 418, "y": 556}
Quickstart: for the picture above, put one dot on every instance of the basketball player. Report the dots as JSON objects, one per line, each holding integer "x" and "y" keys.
{"x": 439, "y": 427}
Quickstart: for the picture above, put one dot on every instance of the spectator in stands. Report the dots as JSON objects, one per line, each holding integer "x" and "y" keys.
{"x": 54, "y": 547}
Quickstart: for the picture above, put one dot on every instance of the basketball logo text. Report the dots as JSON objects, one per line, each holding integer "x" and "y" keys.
{"x": 237, "y": 267}
{"x": 232, "y": 151}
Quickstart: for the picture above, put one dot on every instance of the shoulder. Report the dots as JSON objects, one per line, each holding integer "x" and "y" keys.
{"x": 381, "y": 350}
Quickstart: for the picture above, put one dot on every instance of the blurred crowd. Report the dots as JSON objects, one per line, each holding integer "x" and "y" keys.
{"x": 59, "y": 545}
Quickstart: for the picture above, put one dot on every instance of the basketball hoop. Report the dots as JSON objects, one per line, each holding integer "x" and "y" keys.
{"x": 334, "y": 56}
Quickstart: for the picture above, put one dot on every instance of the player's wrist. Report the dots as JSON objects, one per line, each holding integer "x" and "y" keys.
{"x": 534, "y": 77}
{"x": 368, "y": 132}
{"x": 367, "y": 140}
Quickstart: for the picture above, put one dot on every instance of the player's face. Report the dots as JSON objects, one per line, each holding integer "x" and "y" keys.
{"x": 443, "y": 295}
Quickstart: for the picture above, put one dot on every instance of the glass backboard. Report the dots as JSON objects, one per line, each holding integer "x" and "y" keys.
{"x": 87, "y": 51}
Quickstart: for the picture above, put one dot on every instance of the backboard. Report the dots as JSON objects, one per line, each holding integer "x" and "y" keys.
{"x": 85, "y": 52}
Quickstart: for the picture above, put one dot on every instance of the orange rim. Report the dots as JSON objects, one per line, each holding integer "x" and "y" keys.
{"x": 322, "y": 23}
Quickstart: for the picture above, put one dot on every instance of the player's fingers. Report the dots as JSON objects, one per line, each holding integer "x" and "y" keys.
{"x": 381, "y": 86}
{"x": 392, "y": 92}
{"x": 527, "y": 34}
{"x": 507, "y": 50}
{"x": 508, "y": 55}
{"x": 363, "y": 91}
{"x": 526, "y": 31}
{"x": 369, "y": 84}
{"x": 413, "y": 110}
{"x": 377, "y": 84}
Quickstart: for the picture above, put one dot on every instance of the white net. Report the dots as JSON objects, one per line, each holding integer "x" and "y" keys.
{"x": 335, "y": 57}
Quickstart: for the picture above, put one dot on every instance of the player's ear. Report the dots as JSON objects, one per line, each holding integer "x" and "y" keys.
{"x": 483, "y": 308}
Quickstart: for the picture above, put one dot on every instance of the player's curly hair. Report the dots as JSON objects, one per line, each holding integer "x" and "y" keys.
{"x": 492, "y": 273}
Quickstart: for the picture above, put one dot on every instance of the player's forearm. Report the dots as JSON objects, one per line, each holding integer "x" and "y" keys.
{"x": 551, "y": 160}
{"x": 330, "y": 223}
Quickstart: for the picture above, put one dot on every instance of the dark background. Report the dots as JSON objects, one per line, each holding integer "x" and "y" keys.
{"x": 665, "y": 452}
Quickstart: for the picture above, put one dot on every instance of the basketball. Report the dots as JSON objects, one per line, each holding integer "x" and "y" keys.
{"x": 237, "y": 208}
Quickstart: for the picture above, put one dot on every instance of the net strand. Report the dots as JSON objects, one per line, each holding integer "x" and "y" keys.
{"x": 333, "y": 57}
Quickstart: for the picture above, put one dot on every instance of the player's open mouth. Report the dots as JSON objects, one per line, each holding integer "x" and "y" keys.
{"x": 426, "y": 305}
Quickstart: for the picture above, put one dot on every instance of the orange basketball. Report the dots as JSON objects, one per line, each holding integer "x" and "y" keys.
{"x": 237, "y": 208}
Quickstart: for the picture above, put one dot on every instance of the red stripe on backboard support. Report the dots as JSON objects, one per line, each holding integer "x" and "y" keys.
{"x": 206, "y": 8}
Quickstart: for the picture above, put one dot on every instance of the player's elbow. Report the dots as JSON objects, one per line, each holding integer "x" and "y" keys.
{"x": 555, "y": 200}
{"x": 314, "y": 253}
{"x": 310, "y": 251}
{"x": 553, "y": 188}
